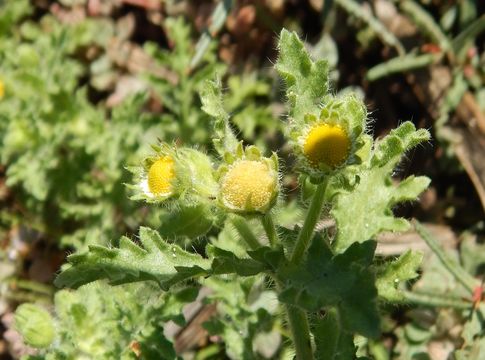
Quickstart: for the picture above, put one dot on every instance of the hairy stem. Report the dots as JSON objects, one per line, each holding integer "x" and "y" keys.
{"x": 299, "y": 328}
{"x": 245, "y": 231}
{"x": 270, "y": 229}
{"x": 306, "y": 232}
{"x": 300, "y": 331}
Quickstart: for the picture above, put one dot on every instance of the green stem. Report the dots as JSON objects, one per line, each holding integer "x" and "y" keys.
{"x": 299, "y": 328}
{"x": 32, "y": 286}
{"x": 306, "y": 232}
{"x": 270, "y": 229}
{"x": 300, "y": 331}
{"x": 245, "y": 231}
{"x": 435, "y": 301}
{"x": 468, "y": 281}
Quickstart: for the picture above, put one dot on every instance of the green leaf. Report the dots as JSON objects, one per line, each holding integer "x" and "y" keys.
{"x": 35, "y": 324}
{"x": 225, "y": 262}
{"x": 157, "y": 260}
{"x": 173, "y": 303}
{"x": 218, "y": 19}
{"x": 356, "y": 9}
{"x": 467, "y": 36}
{"x": 132, "y": 314}
{"x": 211, "y": 96}
{"x": 307, "y": 81}
{"x": 425, "y": 22}
{"x": 271, "y": 258}
{"x": 331, "y": 342}
{"x": 391, "y": 274}
{"x": 366, "y": 210}
{"x": 11, "y": 12}
{"x": 342, "y": 281}
{"x": 264, "y": 259}
{"x": 245, "y": 309}
{"x": 189, "y": 221}
{"x": 472, "y": 334}
{"x": 400, "y": 64}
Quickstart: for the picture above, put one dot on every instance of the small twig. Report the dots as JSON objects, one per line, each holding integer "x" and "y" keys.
{"x": 435, "y": 300}
{"x": 380, "y": 30}
{"x": 468, "y": 281}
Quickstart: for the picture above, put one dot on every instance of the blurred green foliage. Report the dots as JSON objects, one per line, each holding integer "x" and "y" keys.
{"x": 65, "y": 157}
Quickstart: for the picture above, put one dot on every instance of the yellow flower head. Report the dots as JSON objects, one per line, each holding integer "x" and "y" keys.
{"x": 2, "y": 89}
{"x": 249, "y": 185}
{"x": 174, "y": 176}
{"x": 161, "y": 175}
{"x": 328, "y": 145}
{"x": 327, "y": 142}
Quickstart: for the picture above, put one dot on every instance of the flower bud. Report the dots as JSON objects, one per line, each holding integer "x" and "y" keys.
{"x": 181, "y": 174}
{"x": 249, "y": 183}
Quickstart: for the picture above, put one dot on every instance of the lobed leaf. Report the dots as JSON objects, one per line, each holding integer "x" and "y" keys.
{"x": 366, "y": 210}
{"x": 307, "y": 81}
{"x": 391, "y": 274}
{"x": 157, "y": 260}
{"x": 331, "y": 342}
{"x": 225, "y": 262}
{"x": 473, "y": 339}
{"x": 343, "y": 282}
{"x": 224, "y": 139}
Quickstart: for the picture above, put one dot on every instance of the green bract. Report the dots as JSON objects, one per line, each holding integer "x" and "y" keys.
{"x": 312, "y": 139}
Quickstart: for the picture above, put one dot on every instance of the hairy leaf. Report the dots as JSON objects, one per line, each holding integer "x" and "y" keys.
{"x": 156, "y": 260}
{"x": 264, "y": 259}
{"x": 211, "y": 96}
{"x": 191, "y": 222}
{"x": 473, "y": 337}
{"x": 342, "y": 281}
{"x": 225, "y": 262}
{"x": 332, "y": 343}
{"x": 402, "y": 269}
{"x": 307, "y": 81}
{"x": 365, "y": 211}
{"x": 35, "y": 324}
{"x": 133, "y": 315}
{"x": 246, "y": 308}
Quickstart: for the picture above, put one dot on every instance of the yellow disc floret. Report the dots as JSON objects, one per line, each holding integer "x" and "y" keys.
{"x": 2, "y": 89}
{"x": 249, "y": 186}
{"x": 328, "y": 145}
{"x": 160, "y": 176}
